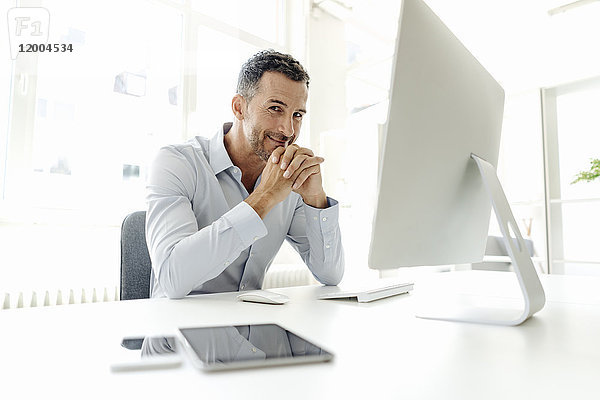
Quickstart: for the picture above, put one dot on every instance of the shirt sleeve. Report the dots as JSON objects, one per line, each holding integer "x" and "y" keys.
{"x": 315, "y": 234}
{"x": 183, "y": 256}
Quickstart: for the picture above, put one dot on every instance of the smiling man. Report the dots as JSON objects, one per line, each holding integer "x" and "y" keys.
{"x": 219, "y": 209}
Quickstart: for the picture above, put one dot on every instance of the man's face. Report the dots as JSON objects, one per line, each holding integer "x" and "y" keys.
{"x": 275, "y": 113}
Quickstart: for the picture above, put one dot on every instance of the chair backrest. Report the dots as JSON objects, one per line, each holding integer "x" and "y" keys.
{"x": 135, "y": 259}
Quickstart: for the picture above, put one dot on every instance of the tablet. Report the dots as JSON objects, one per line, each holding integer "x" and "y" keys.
{"x": 249, "y": 346}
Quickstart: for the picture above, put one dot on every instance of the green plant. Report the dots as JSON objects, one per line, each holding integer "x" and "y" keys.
{"x": 590, "y": 175}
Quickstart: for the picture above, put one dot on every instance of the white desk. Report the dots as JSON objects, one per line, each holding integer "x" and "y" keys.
{"x": 381, "y": 350}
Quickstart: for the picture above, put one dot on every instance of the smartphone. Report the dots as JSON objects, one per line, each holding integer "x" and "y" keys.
{"x": 144, "y": 353}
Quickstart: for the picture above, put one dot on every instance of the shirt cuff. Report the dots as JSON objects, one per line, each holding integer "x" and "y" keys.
{"x": 247, "y": 223}
{"x": 327, "y": 218}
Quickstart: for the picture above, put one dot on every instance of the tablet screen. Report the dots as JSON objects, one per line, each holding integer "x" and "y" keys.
{"x": 242, "y": 346}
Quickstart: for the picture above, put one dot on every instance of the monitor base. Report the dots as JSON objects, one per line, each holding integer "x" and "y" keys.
{"x": 478, "y": 315}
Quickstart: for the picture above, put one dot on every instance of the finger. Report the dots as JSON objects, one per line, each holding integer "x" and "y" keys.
{"x": 293, "y": 151}
{"x": 308, "y": 152}
{"x": 295, "y": 165}
{"x": 276, "y": 154}
{"x": 303, "y": 162}
{"x": 305, "y": 174}
{"x": 288, "y": 155}
{"x": 312, "y": 161}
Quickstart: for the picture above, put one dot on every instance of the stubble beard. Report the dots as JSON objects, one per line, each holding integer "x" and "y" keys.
{"x": 258, "y": 145}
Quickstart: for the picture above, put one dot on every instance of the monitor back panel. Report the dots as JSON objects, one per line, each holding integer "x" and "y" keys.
{"x": 432, "y": 208}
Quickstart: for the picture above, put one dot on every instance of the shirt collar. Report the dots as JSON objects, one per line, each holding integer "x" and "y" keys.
{"x": 219, "y": 159}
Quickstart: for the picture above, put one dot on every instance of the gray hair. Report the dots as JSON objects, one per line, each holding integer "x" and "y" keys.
{"x": 265, "y": 61}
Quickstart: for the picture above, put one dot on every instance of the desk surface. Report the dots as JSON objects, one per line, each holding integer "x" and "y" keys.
{"x": 381, "y": 350}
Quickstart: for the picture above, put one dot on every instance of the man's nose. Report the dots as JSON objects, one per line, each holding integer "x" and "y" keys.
{"x": 287, "y": 127}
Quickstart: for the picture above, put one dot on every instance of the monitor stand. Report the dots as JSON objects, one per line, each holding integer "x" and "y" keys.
{"x": 531, "y": 287}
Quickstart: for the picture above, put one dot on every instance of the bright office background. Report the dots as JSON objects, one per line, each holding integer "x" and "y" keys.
{"x": 77, "y": 130}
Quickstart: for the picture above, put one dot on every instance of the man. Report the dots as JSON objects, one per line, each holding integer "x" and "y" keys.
{"x": 219, "y": 209}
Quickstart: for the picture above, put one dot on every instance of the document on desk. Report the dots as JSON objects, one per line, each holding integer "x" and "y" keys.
{"x": 365, "y": 293}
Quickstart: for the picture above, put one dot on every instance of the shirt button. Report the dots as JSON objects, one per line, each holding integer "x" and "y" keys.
{"x": 236, "y": 170}
{"x": 255, "y": 238}
{"x": 243, "y": 287}
{"x": 254, "y": 349}
{"x": 327, "y": 246}
{"x": 324, "y": 219}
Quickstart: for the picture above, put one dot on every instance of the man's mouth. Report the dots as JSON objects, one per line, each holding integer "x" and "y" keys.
{"x": 278, "y": 142}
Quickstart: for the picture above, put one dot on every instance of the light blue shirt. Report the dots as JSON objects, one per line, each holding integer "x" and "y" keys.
{"x": 202, "y": 236}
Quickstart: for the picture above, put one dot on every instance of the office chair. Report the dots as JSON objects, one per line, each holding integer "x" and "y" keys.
{"x": 135, "y": 259}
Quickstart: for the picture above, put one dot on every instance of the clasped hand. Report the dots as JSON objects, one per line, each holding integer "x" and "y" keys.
{"x": 294, "y": 168}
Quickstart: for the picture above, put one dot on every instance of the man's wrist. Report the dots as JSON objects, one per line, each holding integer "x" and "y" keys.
{"x": 318, "y": 201}
{"x": 260, "y": 202}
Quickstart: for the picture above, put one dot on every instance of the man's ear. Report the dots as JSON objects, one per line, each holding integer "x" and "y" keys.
{"x": 238, "y": 106}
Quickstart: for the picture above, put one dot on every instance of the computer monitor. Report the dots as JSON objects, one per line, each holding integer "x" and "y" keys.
{"x": 437, "y": 180}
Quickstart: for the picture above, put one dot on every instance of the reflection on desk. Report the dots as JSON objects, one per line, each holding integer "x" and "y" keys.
{"x": 158, "y": 345}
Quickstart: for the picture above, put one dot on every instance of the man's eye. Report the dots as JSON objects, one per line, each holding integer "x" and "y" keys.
{"x": 275, "y": 108}
{"x": 298, "y": 115}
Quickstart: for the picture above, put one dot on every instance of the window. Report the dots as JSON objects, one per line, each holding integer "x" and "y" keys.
{"x": 85, "y": 125}
{"x": 574, "y": 209}
{"x": 81, "y": 136}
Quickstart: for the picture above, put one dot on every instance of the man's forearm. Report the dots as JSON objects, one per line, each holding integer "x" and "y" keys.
{"x": 315, "y": 234}
{"x": 186, "y": 257}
